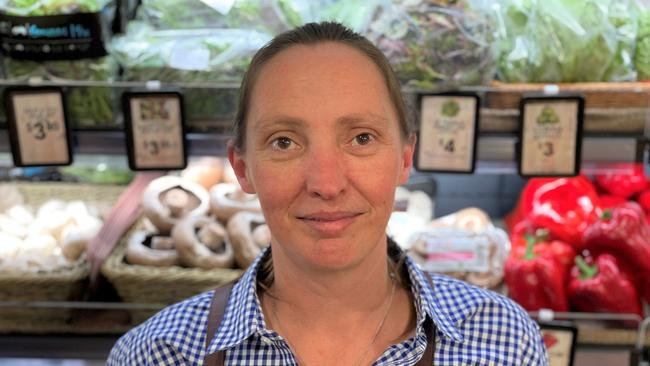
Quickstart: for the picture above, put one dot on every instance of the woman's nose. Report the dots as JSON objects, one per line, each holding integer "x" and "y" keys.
{"x": 325, "y": 174}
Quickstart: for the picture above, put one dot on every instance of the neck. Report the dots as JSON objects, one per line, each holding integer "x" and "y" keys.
{"x": 331, "y": 298}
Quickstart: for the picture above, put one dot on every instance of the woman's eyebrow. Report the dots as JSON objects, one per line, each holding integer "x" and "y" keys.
{"x": 375, "y": 119}
{"x": 275, "y": 122}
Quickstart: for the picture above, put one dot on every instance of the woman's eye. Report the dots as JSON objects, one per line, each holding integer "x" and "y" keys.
{"x": 362, "y": 139}
{"x": 283, "y": 143}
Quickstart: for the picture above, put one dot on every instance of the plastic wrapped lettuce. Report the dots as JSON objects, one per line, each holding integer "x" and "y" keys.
{"x": 192, "y": 14}
{"x": 190, "y": 56}
{"x": 642, "y": 52}
{"x": 355, "y": 14}
{"x": 436, "y": 43}
{"x": 566, "y": 40}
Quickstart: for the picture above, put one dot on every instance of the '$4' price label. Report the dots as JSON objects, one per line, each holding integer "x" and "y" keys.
{"x": 447, "y": 145}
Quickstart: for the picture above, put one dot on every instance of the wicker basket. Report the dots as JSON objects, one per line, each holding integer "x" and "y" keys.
{"x": 158, "y": 285}
{"x": 61, "y": 284}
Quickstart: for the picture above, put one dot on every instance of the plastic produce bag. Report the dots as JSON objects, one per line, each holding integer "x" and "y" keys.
{"x": 355, "y": 14}
{"x": 435, "y": 44}
{"x": 565, "y": 40}
{"x": 190, "y": 57}
{"x": 192, "y": 14}
{"x": 642, "y": 52}
{"x": 88, "y": 107}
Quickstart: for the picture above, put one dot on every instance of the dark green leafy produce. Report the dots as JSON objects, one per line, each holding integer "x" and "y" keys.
{"x": 88, "y": 107}
{"x": 566, "y": 40}
{"x": 435, "y": 43}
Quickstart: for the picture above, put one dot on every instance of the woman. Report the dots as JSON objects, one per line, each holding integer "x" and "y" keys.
{"x": 321, "y": 136}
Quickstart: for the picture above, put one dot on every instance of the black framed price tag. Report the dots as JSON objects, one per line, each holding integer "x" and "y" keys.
{"x": 448, "y": 129}
{"x": 38, "y": 126}
{"x": 155, "y": 130}
{"x": 560, "y": 342}
{"x": 550, "y": 135}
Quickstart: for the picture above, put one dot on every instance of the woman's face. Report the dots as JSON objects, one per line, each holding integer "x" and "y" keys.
{"x": 324, "y": 153}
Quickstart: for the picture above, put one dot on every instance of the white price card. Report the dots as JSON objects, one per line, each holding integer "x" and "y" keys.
{"x": 38, "y": 126}
{"x": 560, "y": 342}
{"x": 155, "y": 130}
{"x": 448, "y": 131}
{"x": 550, "y": 136}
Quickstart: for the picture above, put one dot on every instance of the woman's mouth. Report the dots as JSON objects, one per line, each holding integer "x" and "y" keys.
{"x": 329, "y": 223}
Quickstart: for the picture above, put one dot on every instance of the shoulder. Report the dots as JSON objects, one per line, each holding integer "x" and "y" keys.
{"x": 489, "y": 322}
{"x": 175, "y": 335}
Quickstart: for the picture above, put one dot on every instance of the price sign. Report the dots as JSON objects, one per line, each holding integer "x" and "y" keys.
{"x": 550, "y": 136}
{"x": 155, "y": 130}
{"x": 560, "y": 341}
{"x": 447, "y": 134}
{"x": 38, "y": 127}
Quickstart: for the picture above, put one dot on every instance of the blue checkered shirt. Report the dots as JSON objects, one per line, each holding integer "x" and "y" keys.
{"x": 474, "y": 327}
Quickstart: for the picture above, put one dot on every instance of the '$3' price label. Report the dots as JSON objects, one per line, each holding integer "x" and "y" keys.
{"x": 155, "y": 147}
{"x": 40, "y": 128}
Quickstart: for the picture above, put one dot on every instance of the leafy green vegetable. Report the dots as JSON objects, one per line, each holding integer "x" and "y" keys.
{"x": 190, "y": 56}
{"x": 642, "y": 55}
{"x": 435, "y": 44}
{"x": 51, "y": 7}
{"x": 191, "y": 14}
{"x": 566, "y": 40}
{"x": 87, "y": 107}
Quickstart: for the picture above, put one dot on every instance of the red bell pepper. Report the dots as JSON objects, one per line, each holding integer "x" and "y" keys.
{"x": 644, "y": 200}
{"x": 565, "y": 206}
{"x": 624, "y": 180}
{"x": 602, "y": 287}
{"x": 543, "y": 245}
{"x": 609, "y": 201}
{"x": 536, "y": 280}
{"x": 623, "y": 232}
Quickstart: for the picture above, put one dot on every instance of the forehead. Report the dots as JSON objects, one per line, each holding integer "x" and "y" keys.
{"x": 327, "y": 80}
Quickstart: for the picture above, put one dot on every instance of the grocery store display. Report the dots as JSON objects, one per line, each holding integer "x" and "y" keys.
{"x": 202, "y": 242}
{"x": 435, "y": 44}
{"x": 601, "y": 286}
{"x": 168, "y": 199}
{"x": 535, "y": 276}
{"x": 88, "y": 107}
{"x": 191, "y": 57}
{"x": 45, "y": 238}
{"x": 249, "y": 235}
{"x": 581, "y": 246}
{"x": 566, "y": 41}
{"x": 465, "y": 245}
{"x": 226, "y": 199}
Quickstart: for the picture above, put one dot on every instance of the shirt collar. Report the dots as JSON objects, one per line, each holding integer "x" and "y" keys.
{"x": 243, "y": 316}
{"x": 427, "y": 302}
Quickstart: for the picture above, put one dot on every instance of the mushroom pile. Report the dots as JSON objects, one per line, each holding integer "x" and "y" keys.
{"x": 188, "y": 225}
{"x": 45, "y": 238}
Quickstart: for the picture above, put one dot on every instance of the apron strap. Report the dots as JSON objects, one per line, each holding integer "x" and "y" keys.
{"x": 215, "y": 316}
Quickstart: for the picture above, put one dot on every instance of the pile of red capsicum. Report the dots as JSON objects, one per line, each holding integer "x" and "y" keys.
{"x": 582, "y": 245}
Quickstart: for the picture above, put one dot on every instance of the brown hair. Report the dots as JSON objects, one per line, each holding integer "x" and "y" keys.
{"x": 310, "y": 34}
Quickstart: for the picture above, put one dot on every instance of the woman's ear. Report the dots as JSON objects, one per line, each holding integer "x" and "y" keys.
{"x": 407, "y": 158}
{"x": 238, "y": 163}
